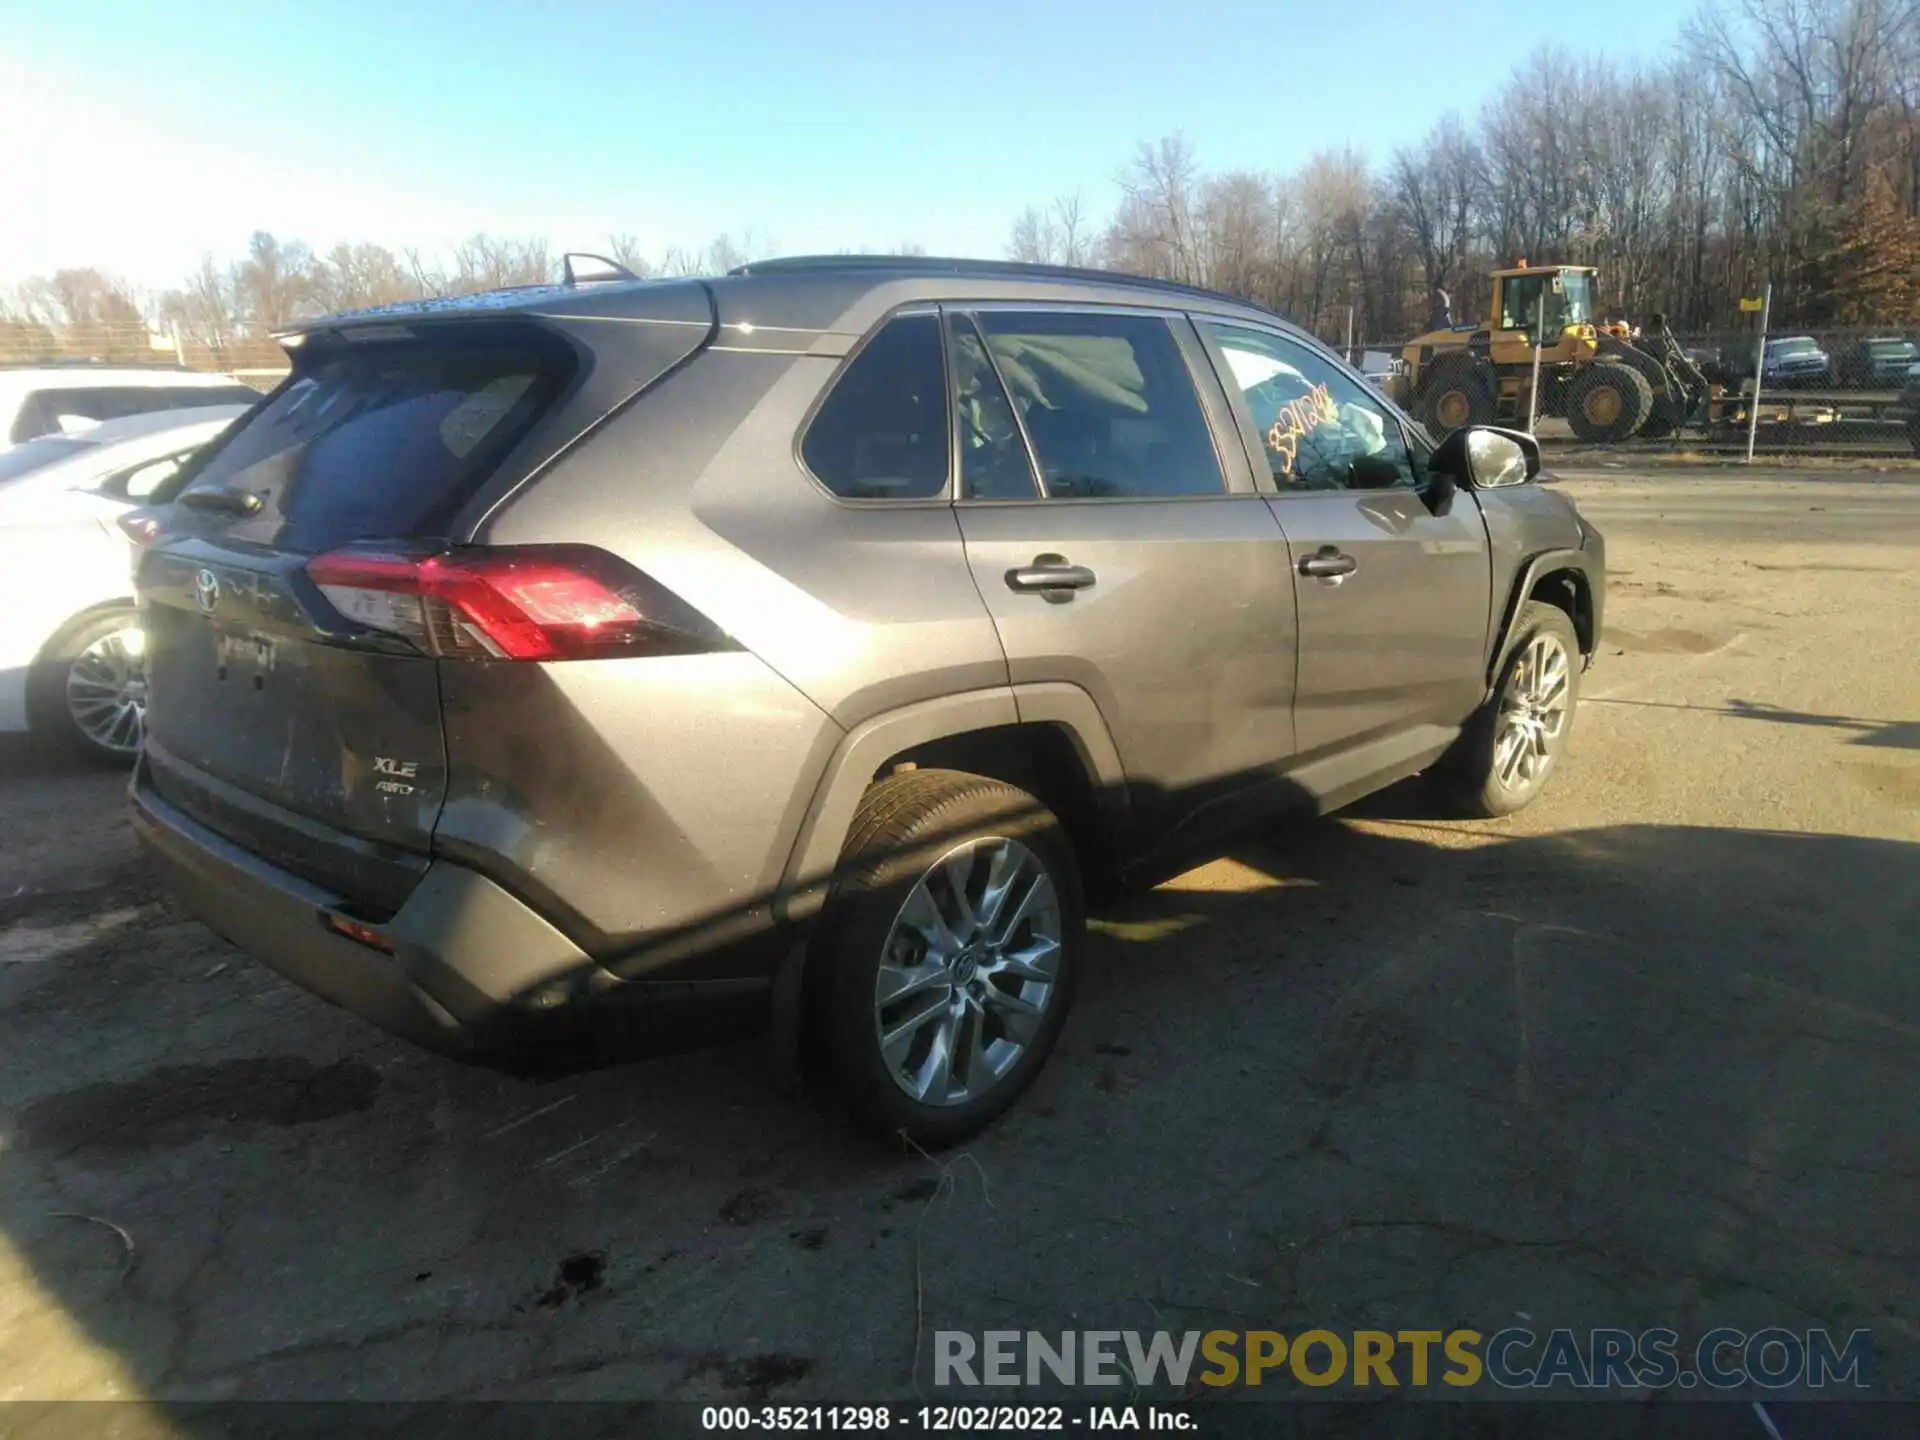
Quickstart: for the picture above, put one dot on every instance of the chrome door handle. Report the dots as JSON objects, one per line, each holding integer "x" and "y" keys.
{"x": 1328, "y": 563}
{"x": 1049, "y": 576}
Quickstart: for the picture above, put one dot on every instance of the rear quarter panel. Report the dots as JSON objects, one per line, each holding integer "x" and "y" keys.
{"x": 648, "y": 800}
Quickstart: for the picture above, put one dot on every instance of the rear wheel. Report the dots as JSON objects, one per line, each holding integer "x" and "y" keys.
{"x": 1456, "y": 394}
{"x": 1667, "y": 412}
{"x": 1608, "y": 402}
{"x": 89, "y": 691}
{"x": 946, "y": 961}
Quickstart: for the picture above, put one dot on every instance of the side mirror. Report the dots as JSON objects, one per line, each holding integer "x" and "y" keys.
{"x": 1487, "y": 457}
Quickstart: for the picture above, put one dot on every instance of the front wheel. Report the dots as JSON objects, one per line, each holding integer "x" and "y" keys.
{"x": 1608, "y": 401}
{"x": 1508, "y": 749}
{"x": 89, "y": 691}
{"x": 947, "y": 959}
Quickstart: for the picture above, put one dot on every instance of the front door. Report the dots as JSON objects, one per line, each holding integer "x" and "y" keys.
{"x": 1393, "y": 599}
{"x": 1114, "y": 554}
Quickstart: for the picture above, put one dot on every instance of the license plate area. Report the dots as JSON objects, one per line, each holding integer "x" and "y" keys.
{"x": 244, "y": 657}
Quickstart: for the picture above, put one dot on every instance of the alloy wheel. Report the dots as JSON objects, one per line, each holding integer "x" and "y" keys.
{"x": 969, "y": 971}
{"x": 107, "y": 691}
{"x": 1533, "y": 714}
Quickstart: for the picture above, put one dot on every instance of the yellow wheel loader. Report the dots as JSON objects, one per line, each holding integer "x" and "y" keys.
{"x": 1607, "y": 385}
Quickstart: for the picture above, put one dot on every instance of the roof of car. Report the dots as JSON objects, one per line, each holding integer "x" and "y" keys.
{"x": 804, "y": 293}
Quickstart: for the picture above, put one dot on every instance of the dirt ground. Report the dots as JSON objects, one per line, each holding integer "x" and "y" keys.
{"x": 1646, "y": 1054}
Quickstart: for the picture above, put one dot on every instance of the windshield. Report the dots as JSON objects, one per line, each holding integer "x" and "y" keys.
{"x": 1793, "y": 345}
{"x": 37, "y": 454}
{"x": 1567, "y": 297}
{"x": 1891, "y": 349}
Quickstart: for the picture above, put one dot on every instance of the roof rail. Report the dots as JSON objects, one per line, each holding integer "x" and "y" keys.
{"x": 952, "y": 265}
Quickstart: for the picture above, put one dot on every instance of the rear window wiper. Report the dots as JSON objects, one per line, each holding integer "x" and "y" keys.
{"x": 222, "y": 497}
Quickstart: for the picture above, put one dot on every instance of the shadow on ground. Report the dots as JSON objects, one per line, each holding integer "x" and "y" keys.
{"x": 1883, "y": 734}
{"x": 1625, "y": 1077}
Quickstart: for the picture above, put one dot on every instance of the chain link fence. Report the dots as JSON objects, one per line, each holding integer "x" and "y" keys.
{"x": 254, "y": 360}
{"x": 1823, "y": 392}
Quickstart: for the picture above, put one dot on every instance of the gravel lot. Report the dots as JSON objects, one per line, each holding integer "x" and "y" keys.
{"x": 1645, "y": 1054}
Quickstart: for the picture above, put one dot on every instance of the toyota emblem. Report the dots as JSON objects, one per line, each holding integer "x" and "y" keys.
{"x": 206, "y": 591}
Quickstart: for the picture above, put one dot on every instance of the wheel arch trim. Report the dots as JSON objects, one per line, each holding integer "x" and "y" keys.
{"x": 1537, "y": 568}
{"x": 868, "y": 746}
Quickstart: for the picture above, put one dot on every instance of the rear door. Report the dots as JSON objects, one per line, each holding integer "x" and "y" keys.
{"x": 1393, "y": 599}
{"x": 1119, "y": 551}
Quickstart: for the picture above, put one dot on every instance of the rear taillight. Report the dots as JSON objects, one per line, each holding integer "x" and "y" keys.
{"x": 547, "y": 602}
{"x": 140, "y": 526}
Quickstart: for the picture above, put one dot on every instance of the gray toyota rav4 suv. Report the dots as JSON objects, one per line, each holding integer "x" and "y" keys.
{"x": 589, "y": 660}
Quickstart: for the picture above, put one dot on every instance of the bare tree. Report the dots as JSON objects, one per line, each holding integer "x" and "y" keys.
{"x": 206, "y": 309}
{"x": 354, "y": 277}
{"x": 488, "y": 262}
{"x": 1438, "y": 189}
{"x": 623, "y": 249}
{"x": 1155, "y": 231}
{"x": 274, "y": 285}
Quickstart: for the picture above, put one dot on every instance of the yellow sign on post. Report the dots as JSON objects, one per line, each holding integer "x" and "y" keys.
{"x": 1753, "y": 306}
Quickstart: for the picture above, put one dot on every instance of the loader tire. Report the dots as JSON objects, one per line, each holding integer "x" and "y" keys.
{"x": 1608, "y": 402}
{"x": 1456, "y": 393}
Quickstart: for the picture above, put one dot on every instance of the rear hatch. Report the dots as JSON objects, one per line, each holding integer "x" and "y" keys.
{"x": 294, "y": 625}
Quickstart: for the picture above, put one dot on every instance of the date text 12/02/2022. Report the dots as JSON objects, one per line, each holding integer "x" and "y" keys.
{"x": 946, "y": 1419}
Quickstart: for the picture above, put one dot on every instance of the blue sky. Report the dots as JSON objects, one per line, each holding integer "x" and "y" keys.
{"x": 163, "y": 131}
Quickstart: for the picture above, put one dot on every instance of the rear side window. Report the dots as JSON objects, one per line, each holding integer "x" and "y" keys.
{"x": 385, "y": 441}
{"x": 881, "y": 433}
{"x": 1107, "y": 402}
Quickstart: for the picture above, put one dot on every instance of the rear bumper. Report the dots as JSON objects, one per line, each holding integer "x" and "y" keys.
{"x": 472, "y": 968}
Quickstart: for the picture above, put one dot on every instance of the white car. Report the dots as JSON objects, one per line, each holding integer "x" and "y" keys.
{"x": 70, "y": 639}
{"x": 38, "y": 400}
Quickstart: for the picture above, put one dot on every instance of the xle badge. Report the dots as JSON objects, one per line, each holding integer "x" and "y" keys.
{"x": 404, "y": 769}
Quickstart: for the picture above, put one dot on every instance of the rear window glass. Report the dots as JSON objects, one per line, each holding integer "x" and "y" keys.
{"x": 384, "y": 441}
{"x": 182, "y": 398}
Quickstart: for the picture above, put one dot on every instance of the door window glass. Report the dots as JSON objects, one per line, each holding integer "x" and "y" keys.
{"x": 993, "y": 455}
{"x": 1107, "y": 402}
{"x": 1320, "y": 429}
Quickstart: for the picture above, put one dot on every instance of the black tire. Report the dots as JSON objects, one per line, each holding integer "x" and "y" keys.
{"x": 905, "y": 825}
{"x": 1662, "y": 421}
{"x": 1667, "y": 412}
{"x": 48, "y": 712}
{"x": 1456, "y": 393}
{"x": 1607, "y": 402}
{"x": 1469, "y": 774}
